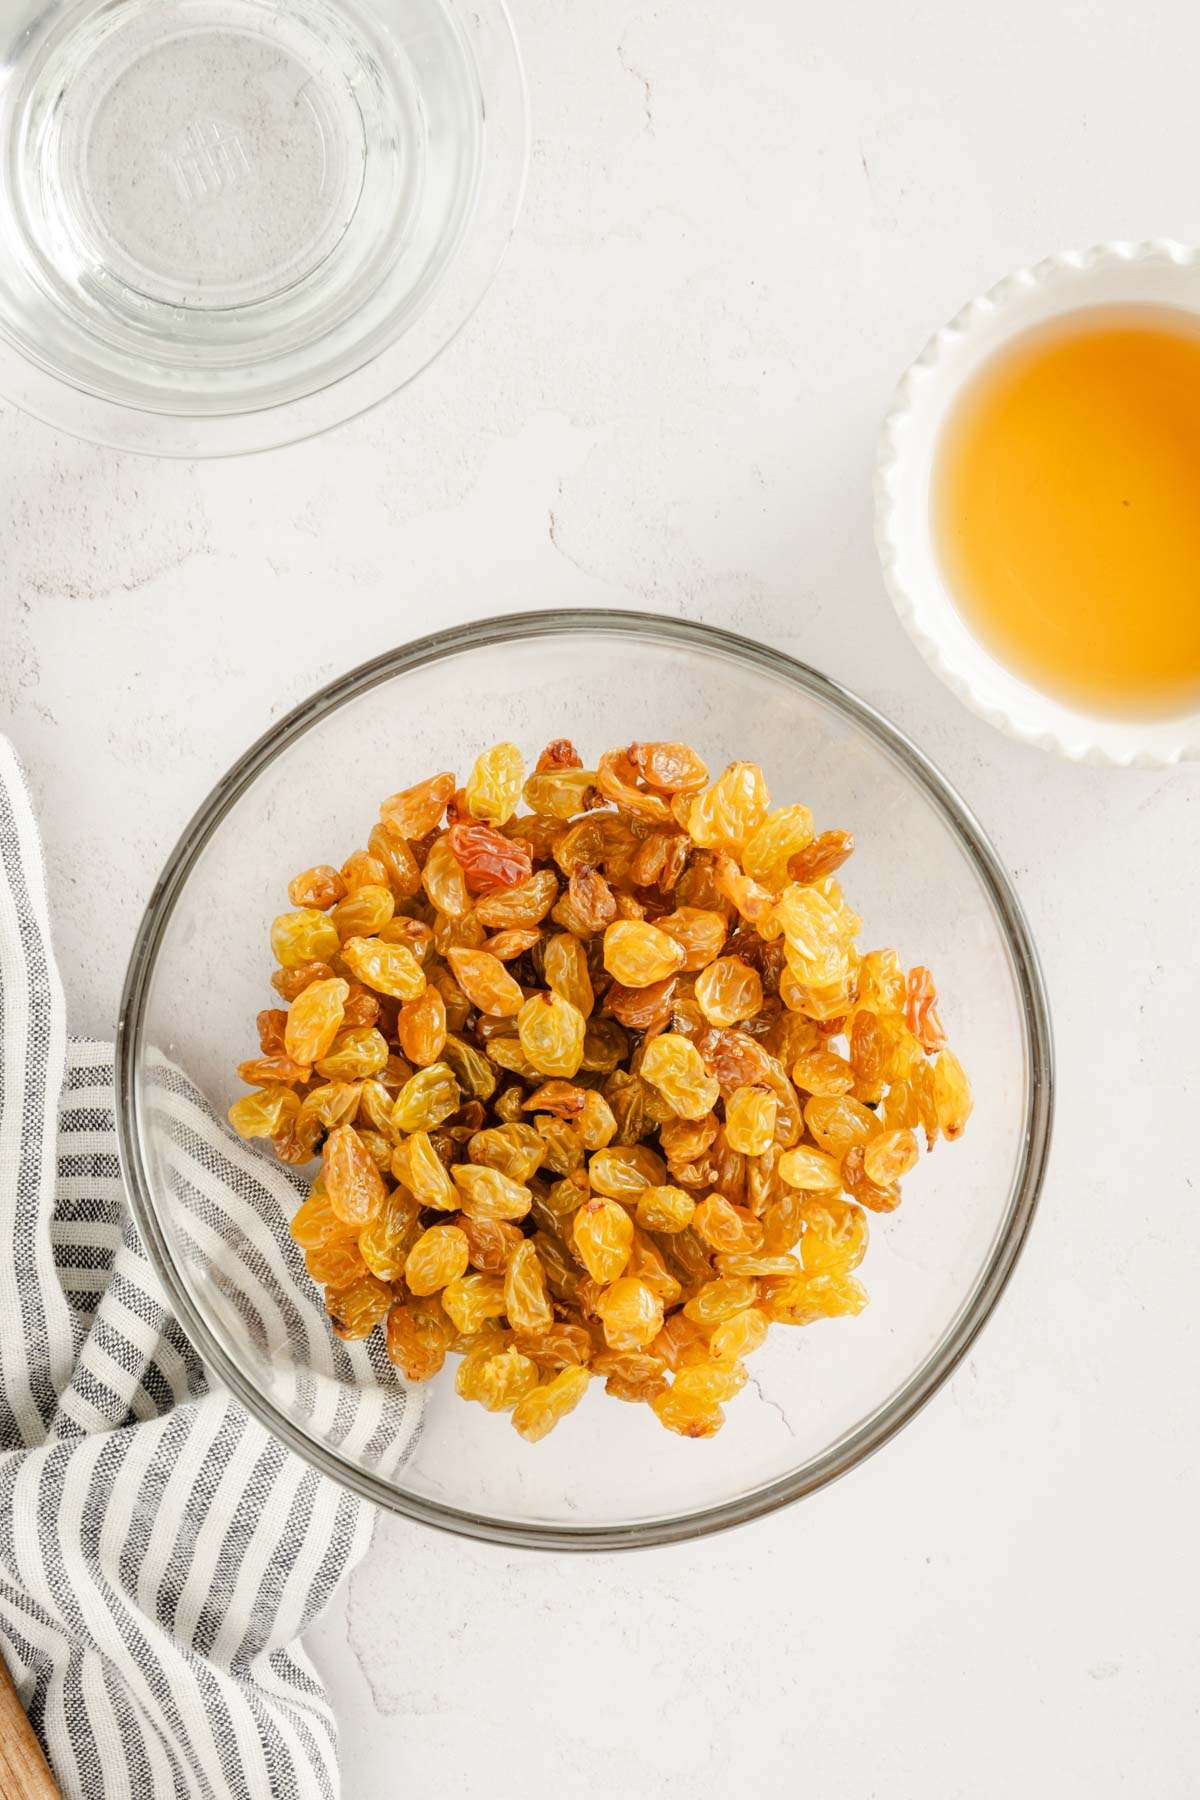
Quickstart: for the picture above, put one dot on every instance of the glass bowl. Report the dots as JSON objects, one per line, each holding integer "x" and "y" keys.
{"x": 923, "y": 877}
{"x": 229, "y": 224}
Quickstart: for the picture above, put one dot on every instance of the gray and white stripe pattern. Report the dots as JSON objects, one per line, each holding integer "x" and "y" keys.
{"x": 160, "y": 1554}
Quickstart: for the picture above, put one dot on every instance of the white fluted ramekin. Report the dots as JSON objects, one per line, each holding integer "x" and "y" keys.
{"x": 1158, "y": 272}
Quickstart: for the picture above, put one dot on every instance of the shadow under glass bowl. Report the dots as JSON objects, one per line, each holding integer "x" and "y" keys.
{"x": 923, "y": 877}
{"x": 230, "y": 224}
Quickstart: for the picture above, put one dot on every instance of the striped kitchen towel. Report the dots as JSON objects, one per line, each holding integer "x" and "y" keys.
{"x": 160, "y": 1553}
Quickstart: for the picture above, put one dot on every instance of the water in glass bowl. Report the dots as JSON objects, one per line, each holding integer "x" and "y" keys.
{"x": 223, "y": 206}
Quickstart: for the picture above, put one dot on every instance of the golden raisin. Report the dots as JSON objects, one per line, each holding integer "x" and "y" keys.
{"x": 363, "y": 912}
{"x": 489, "y": 859}
{"x": 384, "y": 1243}
{"x": 637, "y": 954}
{"x": 515, "y": 1149}
{"x": 726, "y": 1227}
{"x": 738, "y": 1336}
{"x": 872, "y": 1052}
{"x": 837, "y": 1123}
{"x": 487, "y": 1194}
{"x": 490, "y": 1242}
{"x": 392, "y": 852}
{"x": 674, "y": 1066}
{"x": 698, "y": 932}
{"x": 881, "y": 982}
{"x": 330, "y": 1104}
{"x": 335, "y": 1262}
{"x": 497, "y": 1382}
{"x": 727, "y": 813}
{"x": 418, "y": 1337}
{"x": 559, "y": 793}
{"x": 271, "y": 1024}
{"x": 642, "y": 1009}
{"x": 706, "y": 1382}
{"x": 782, "y": 834}
{"x": 494, "y": 785}
{"x": 551, "y": 1033}
{"x": 951, "y": 1095}
{"x": 512, "y": 942}
{"x": 681, "y": 1413}
{"x": 526, "y": 904}
{"x": 303, "y": 937}
{"x": 630, "y": 1313}
{"x": 474, "y": 1073}
{"x": 597, "y": 1122}
{"x": 835, "y": 1235}
{"x": 417, "y": 810}
{"x": 314, "y": 1019}
{"x": 321, "y": 888}
{"x": 602, "y": 1233}
{"x": 674, "y": 768}
{"x": 421, "y": 1027}
{"x": 426, "y": 1098}
{"x": 728, "y": 991}
{"x": 438, "y": 1257}
{"x": 890, "y": 1155}
{"x": 540, "y": 1410}
{"x": 625, "y": 1169}
{"x": 617, "y": 777}
{"x": 388, "y": 968}
{"x": 362, "y": 1008}
{"x": 357, "y": 1308}
{"x": 649, "y": 1263}
{"x": 810, "y": 1169}
{"x": 666, "y": 1209}
{"x": 560, "y": 753}
{"x": 826, "y": 854}
{"x": 444, "y": 882}
{"x": 526, "y": 1300}
{"x": 805, "y": 1298}
{"x": 290, "y": 982}
{"x": 755, "y": 1263}
{"x": 822, "y": 1072}
{"x": 352, "y": 1182}
{"x": 363, "y": 870}
{"x": 469, "y": 1300}
{"x": 876, "y": 1196}
{"x": 721, "y": 1299}
{"x": 419, "y": 1168}
{"x": 816, "y": 942}
{"x": 921, "y": 1013}
{"x": 633, "y": 1375}
{"x": 314, "y": 1221}
{"x": 750, "y": 1120}
{"x": 354, "y": 1055}
{"x": 588, "y": 905}
{"x": 566, "y": 970}
{"x": 750, "y": 898}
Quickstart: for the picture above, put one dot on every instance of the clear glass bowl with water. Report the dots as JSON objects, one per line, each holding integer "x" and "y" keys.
{"x": 229, "y": 224}
{"x": 923, "y": 877}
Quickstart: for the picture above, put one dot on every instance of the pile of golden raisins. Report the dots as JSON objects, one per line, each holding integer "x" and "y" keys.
{"x": 602, "y": 1088}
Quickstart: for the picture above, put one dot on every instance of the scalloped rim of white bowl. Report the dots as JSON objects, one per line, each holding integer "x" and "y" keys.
{"x": 1157, "y": 272}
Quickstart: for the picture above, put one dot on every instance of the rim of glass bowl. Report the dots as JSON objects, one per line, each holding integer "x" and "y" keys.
{"x": 874, "y": 1432}
{"x": 48, "y": 394}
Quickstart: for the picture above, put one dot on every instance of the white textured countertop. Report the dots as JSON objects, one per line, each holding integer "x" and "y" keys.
{"x": 742, "y": 221}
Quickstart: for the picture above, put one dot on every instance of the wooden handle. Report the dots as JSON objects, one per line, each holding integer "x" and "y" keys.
{"x": 24, "y": 1771}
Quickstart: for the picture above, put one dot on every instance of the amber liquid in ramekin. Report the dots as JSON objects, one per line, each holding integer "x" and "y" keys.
{"x": 1066, "y": 508}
